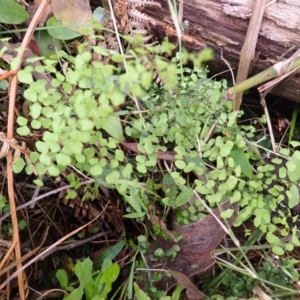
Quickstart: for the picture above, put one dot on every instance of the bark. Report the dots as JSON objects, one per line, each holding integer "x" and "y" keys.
{"x": 223, "y": 24}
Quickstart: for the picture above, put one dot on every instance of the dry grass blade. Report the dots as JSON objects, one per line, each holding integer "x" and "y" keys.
{"x": 248, "y": 50}
{"x": 262, "y": 295}
{"x": 10, "y": 131}
{"x": 14, "y": 144}
{"x": 42, "y": 254}
{"x": 26, "y": 256}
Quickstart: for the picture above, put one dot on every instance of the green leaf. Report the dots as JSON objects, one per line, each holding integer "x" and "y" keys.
{"x": 140, "y": 294}
{"x": 204, "y": 55}
{"x": 295, "y": 144}
{"x": 236, "y": 197}
{"x": 293, "y": 167}
{"x": 116, "y": 97}
{"x": 180, "y": 164}
{"x": 35, "y": 110}
{"x": 21, "y": 121}
{"x": 109, "y": 253}
{"x": 60, "y": 32}
{"x": 12, "y": 12}
{"x": 126, "y": 172}
{"x": 38, "y": 182}
{"x": 106, "y": 264}
{"x": 83, "y": 270}
{"x": 215, "y": 198}
{"x": 89, "y": 152}
{"x": 241, "y": 160}
{"x": 190, "y": 167}
{"x": 137, "y": 90}
{"x": 53, "y": 171}
{"x": 272, "y": 239}
{"x": 225, "y": 149}
{"x": 51, "y": 141}
{"x": 113, "y": 126}
{"x": 114, "y": 163}
{"x": 36, "y": 124}
{"x": 282, "y": 172}
{"x": 109, "y": 275}
{"x": 2, "y": 201}
{"x": 47, "y": 44}
{"x": 119, "y": 154}
{"x": 168, "y": 180}
{"x": 71, "y": 194}
{"x": 29, "y": 169}
{"x": 293, "y": 195}
{"x": 99, "y": 14}
{"x": 73, "y": 147}
{"x": 41, "y": 147}
{"x": 295, "y": 239}
{"x": 42, "y": 169}
{"x": 18, "y": 165}
{"x": 141, "y": 168}
{"x": 112, "y": 177}
{"x": 30, "y": 95}
{"x": 135, "y": 200}
{"x": 25, "y": 76}
{"x": 62, "y": 277}
{"x": 96, "y": 170}
{"x": 15, "y": 63}
{"x": 227, "y": 213}
{"x": 102, "y": 51}
{"x": 118, "y": 58}
{"x": 184, "y": 197}
{"x": 45, "y": 159}
{"x": 91, "y": 290}
{"x": 23, "y": 131}
{"x": 176, "y": 295}
{"x": 4, "y": 85}
{"x": 277, "y": 250}
{"x": 134, "y": 215}
{"x": 289, "y": 247}
{"x": 231, "y": 182}
{"x": 22, "y": 224}
{"x": 220, "y": 163}
{"x": 86, "y": 125}
{"x": 55, "y": 83}
{"x": 75, "y": 295}
{"x": 63, "y": 159}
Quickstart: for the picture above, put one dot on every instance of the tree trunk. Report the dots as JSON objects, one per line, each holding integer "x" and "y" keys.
{"x": 223, "y": 24}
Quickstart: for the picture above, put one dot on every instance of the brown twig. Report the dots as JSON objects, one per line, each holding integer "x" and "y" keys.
{"x": 10, "y": 133}
{"x": 76, "y": 244}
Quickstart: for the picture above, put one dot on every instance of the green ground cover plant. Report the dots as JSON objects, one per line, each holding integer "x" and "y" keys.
{"x": 82, "y": 127}
{"x": 154, "y": 144}
{"x": 94, "y": 286}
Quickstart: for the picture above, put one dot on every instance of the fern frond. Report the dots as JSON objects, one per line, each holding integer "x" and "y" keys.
{"x": 138, "y": 16}
{"x": 147, "y": 38}
{"x": 144, "y": 3}
{"x": 111, "y": 42}
{"x": 141, "y": 31}
{"x": 128, "y": 28}
{"x": 137, "y": 24}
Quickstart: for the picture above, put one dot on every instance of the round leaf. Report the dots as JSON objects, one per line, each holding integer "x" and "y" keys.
{"x": 12, "y": 12}
{"x": 60, "y": 32}
{"x": 18, "y": 165}
{"x": 53, "y": 171}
